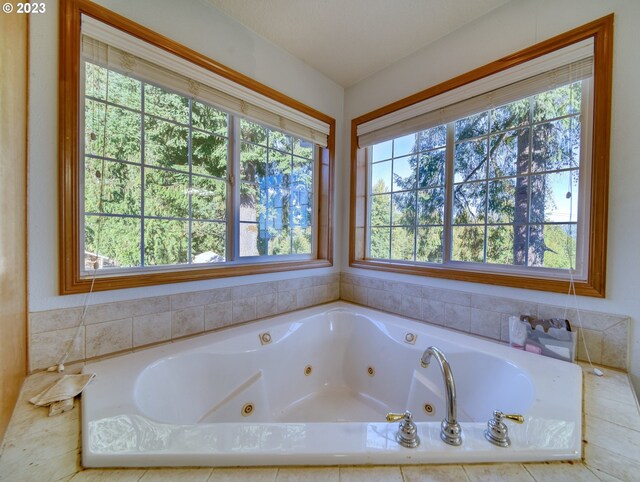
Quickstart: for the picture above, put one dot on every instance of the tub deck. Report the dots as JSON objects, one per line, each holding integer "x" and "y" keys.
{"x": 144, "y": 409}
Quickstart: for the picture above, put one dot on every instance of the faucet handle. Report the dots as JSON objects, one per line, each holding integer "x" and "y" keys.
{"x": 407, "y": 435}
{"x": 396, "y": 417}
{"x": 510, "y": 416}
{"x": 497, "y": 432}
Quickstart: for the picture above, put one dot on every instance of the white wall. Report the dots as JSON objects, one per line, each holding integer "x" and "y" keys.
{"x": 509, "y": 28}
{"x": 200, "y": 26}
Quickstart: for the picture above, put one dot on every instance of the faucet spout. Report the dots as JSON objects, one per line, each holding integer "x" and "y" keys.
{"x": 450, "y": 432}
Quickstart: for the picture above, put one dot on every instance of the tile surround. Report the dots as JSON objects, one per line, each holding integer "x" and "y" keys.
{"x": 606, "y": 335}
{"x": 38, "y": 447}
{"x": 122, "y": 326}
{"x": 126, "y": 325}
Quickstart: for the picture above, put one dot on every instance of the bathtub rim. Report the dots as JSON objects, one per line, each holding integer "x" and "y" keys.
{"x": 393, "y": 456}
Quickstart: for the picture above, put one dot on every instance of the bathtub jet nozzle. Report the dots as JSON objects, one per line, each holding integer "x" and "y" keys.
{"x": 450, "y": 431}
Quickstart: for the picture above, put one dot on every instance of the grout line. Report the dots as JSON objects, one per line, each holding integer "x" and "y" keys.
{"x": 528, "y": 472}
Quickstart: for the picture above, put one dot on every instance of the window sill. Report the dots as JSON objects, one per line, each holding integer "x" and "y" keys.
{"x": 583, "y": 288}
{"x": 120, "y": 281}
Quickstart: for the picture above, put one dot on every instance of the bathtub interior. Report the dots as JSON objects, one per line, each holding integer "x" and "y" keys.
{"x": 335, "y": 367}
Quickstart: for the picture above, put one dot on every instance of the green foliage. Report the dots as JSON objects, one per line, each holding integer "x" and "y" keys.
{"x": 183, "y": 174}
{"x": 512, "y": 167}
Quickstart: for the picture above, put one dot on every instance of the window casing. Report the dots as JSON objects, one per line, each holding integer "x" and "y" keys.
{"x": 437, "y": 187}
{"x": 157, "y": 184}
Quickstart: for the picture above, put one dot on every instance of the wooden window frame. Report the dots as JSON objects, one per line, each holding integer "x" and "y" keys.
{"x": 70, "y": 279}
{"x": 601, "y": 31}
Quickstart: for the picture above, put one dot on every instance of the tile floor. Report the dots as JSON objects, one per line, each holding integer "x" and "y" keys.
{"x": 39, "y": 448}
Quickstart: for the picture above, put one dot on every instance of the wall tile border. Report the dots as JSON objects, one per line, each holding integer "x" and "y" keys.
{"x": 127, "y": 325}
{"x": 124, "y": 326}
{"x": 605, "y": 335}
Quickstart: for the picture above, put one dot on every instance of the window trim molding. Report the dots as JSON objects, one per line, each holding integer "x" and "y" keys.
{"x": 594, "y": 285}
{"x": 70, "y": 279}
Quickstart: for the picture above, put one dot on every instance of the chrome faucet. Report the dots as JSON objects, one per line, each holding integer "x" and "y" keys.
{"x": 450, "y": 431}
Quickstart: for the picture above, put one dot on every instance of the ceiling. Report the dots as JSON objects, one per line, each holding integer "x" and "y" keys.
{"x": 348, "y": 40}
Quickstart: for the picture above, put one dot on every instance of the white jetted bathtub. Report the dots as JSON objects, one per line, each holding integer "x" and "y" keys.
{"x": 313, "y": 388}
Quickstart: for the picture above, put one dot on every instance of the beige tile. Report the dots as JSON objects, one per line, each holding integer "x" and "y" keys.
{"x": 49, "y": 446}
{"x": 266, "y": 305}
{"x": 497, "y": 472}
{"x": 360, "y": 294}
{"x": 504, "y": 305}
{"x": 615, "y": 345}
{"x": 504, "y": 327}
{"x": 320, "y": 294}
{"x": 612, "y": 410}
{"x": 294, "y": 284}
{"x": 244, "y": 310}
{"x": 373, "y": 297}
{"x": 218, "y": 315}
{"x": 187, "y": 321}
{"x": 127, "y": 309}
{"x": 457, "y": 317}
{"x": 602, "y": 476}
{"x": 66, "y": 478}
{"x": 433, "y": 311}
{"x": 304, "y": 297}
{"x": 369, "y": 282}
{"x": 333, "y": 292}
{"x": 346, "y": 277}
{"x": 593, "y": 340}
{"x": 447, "y": 296}
{"x": 28, "y": 420}
{"x": 591, "y": 320}
{"x": 46, "y": 349}
{"x": 411, "y": 306}
{"x": 613, "y": 385}
{"x": 151, "y": 328}
{"x": 304, "y": 474}
{"x": 561, "y": 472}
{"x": 103, "y": 475}
{"x": 182, "y": 475}
{"x": 244, "y": 475}
{"x": 109, "y": 337}
{"x": 434, "y": 473}
{"x": 51, "y": 320}
{"x": 287, "y": 301}
{"x": 252, "y": 290}
{"x": 37, "y": 468}
{"x": 616, "y": 438}
{"x": 370, "y": 474}
{"x": 408, "y": 289}
{"x": 346, "y": 291}
{"x": 200, "y": 298}
{"x": 601, "y": 460}
{"x": 384, "y": 300}
{"x": 485, "y": 323}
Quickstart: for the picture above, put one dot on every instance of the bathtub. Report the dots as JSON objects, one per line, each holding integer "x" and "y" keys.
{"x": 313, "y": 387}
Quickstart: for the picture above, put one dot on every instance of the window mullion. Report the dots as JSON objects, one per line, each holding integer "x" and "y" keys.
{"x": 190, "y": 200}
{"x": 142, "y": 170}
{"x": 233, "y": 189}
{"x": 448, "y": 210}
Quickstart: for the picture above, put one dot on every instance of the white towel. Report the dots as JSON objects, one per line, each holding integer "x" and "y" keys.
{"x": 58, "y": 394}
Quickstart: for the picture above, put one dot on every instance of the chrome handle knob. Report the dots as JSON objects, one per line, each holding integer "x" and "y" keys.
{"x": 497, "y": 432}
{"x": 407, "y": 434}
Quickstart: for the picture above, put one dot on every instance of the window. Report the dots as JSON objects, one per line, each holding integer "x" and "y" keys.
{"x": 181, "y": 170}
{"x": 498, "y": 181}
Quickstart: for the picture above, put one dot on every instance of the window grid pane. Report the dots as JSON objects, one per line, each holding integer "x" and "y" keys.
{"x": 276, "y": 192}
{"x": 514, "y": 187}
{"x": 151, "y": 180}
{"x": 156, "y": 176}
